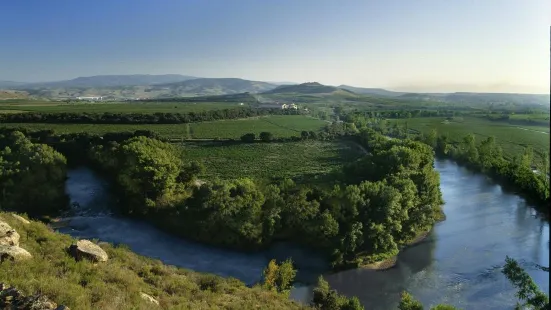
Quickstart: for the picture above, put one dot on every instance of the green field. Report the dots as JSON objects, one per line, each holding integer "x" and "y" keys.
{"x": 309, "y": 160}
{"x": 512, "y": 138}
{"x": 134, "y": 107}
{"x": 279, "y": 126}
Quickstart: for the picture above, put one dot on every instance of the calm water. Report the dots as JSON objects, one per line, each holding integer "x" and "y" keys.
{"x": 459, "y": 263}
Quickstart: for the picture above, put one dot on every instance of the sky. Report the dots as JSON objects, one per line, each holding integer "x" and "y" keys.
{"x": 421, "y": 45}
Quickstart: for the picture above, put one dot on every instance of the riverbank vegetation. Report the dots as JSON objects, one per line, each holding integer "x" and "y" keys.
{"x": 382, "y": 201}
{"x": 379, "y": 202}
{"x": 527, "y": 172}
{"x": 32, "y": 176}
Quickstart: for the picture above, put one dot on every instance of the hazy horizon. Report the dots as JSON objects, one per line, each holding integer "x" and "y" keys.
{"x": 421, "y": 46}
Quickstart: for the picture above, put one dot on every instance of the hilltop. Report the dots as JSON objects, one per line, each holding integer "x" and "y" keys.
{"x": 215, "y": 86}
{"x": 310, "y": 88}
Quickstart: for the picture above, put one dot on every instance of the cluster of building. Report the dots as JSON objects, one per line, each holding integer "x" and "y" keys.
{"x": 90, "y": 98}
{"x": 278, "y": 105}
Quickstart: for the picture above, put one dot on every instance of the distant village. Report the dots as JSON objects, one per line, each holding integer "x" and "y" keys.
{"x": 278, "y": 105}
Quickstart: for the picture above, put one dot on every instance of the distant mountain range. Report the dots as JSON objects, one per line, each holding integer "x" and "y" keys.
{"x": 372, "y": 91}
{"x": 108, "y": 81}
{"x": 143, "y": 86}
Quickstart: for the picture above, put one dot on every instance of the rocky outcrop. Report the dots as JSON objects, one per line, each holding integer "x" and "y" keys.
{"x": 13, "y": 253}
{"x": 12, "y": 298}
{"x": 9, "y": 244}
{"x": 149, "y": 298}
{"x": 21, "y": 219}
{"x": 8, "y": 235}
{"x": 86, "y": 249}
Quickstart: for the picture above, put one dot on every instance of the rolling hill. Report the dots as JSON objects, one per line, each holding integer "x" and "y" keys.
{"x": 311, "y": 88}
{"x": 214, "y": 86}
{"x": 371, "y": 91}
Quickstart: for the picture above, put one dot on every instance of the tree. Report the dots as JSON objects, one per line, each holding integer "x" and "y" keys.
{"x": 32, "y": 177}
{"x": 304, "y": 135}
{"x": 148, "y": 173}
{"x": 407, "y": 302}
{"x": 279, "y": 278}
{"x": 527, "y": 290}
{"x": 324, "y": 298}
{"x": 248, "y": 137}
{"x": 266, "y": 136}
{"x": 432, "y": 138}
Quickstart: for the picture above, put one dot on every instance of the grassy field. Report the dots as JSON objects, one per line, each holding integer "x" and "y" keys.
{"x": 267, "y": 161}
{"x": 512, "y": 138}
{"x": 279, "y": 126}
{"x": 134, "y": 107}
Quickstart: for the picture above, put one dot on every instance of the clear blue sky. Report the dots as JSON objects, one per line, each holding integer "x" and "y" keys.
{"x": 417, "y": 45}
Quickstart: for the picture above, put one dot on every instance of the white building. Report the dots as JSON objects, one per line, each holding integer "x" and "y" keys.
{"x": 90, "y": 98}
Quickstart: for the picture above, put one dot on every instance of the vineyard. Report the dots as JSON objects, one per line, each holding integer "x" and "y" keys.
{"x": 512, "y": 138}
{"x": 267, "y": 161}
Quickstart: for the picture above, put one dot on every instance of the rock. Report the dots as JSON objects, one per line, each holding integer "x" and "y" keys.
{"x": 12, "y": 298}
{"x": 62, "y": 307}
{"x": 21, "y": 219}
{"x": 15, "y": 253}
{"x": 87, "y": 249}
{"x": 149, "y": 298}
{"x": 8, "y": 235}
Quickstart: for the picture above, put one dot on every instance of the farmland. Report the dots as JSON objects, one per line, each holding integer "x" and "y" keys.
{"x": 512, "y": 138}
{"x": 280, "y": 126}
{"x": 267, "y": 161}
{"x": 135, "y": 107}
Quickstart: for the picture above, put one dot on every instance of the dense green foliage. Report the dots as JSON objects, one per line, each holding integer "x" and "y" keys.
{"x": 391, "y": 196}
{"x": 326, "y": 298}
{"x": 117, "y": 283}
{"x": 32, "y": 176}
{"x": 279, "y": 278}
{"x": 138, "y": 118}
{"x": 527, "y": 290}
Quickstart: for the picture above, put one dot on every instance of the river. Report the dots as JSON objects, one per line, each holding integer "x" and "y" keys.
{"x": 459, "y": 262}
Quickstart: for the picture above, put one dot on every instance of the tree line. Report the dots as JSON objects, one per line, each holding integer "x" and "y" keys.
{"x": 140, "y": 118}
